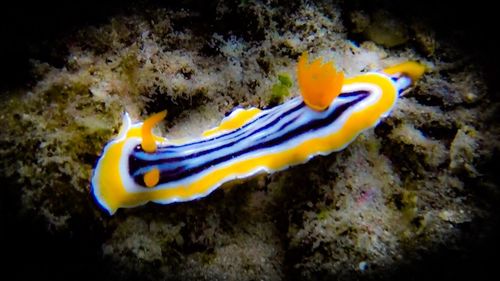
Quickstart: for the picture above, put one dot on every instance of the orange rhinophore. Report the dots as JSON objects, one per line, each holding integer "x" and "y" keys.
{"x": 148, "y": 141}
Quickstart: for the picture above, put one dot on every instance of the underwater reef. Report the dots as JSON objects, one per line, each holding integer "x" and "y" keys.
{"x": 419, "y": 188}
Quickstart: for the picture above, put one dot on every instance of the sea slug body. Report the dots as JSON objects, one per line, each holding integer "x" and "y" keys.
{"x": 138, "y": 167}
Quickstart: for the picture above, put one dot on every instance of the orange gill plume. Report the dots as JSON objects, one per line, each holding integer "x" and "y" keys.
{"x": 319, "y": 83}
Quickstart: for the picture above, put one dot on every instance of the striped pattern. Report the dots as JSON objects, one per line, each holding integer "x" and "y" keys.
{"x": 266, "y": 141}
{"x": 277, "y": 129}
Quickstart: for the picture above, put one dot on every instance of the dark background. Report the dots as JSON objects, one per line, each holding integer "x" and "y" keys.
{"x": 29, "y": 251}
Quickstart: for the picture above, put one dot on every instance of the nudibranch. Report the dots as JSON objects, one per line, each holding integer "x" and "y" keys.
{"x": 138, "y": 166}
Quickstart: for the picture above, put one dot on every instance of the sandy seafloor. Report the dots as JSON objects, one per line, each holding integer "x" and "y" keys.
{"x": 414, "y": 198}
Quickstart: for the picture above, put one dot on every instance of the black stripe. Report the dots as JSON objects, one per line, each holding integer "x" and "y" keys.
{"x": 238, "y": 132}
{"x": 183, "y": 172}
{"x": 133, "y": 159}
{"x": 353, "y": 94}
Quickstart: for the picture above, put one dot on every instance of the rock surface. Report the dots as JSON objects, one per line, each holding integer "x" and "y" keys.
{"x": 419, "y": 182}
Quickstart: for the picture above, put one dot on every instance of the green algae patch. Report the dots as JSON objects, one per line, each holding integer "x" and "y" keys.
{"x": 281, "y": 89}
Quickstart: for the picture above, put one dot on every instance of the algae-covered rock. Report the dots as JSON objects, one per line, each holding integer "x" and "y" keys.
{"x": 381, "y": 27}
{"x": 421, "y": 180}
